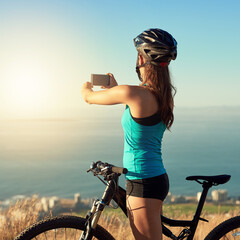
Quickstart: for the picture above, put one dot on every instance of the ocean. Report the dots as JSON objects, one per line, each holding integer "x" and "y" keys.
{"x": 50, "y": 157}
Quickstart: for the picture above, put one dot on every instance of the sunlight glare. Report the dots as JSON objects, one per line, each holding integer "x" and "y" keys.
{"x": 25, "y": 88}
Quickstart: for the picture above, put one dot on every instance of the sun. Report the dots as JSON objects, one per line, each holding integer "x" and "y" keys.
{"x": 25, "y": 89}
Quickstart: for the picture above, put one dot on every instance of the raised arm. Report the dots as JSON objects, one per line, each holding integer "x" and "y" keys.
{"x": 115, "y": 95}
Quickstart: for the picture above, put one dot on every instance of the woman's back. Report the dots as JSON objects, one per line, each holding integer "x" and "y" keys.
{"x": 144, "y": 103}
{"x": 142, "y": 146}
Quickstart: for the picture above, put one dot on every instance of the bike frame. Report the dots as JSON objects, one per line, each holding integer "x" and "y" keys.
{"x": 118, "y": 194}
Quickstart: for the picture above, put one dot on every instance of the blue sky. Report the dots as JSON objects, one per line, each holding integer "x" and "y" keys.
{"x": 50, "y": 48}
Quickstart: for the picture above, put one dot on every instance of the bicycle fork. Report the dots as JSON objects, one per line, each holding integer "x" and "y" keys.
{"x": 92, "y": 219}
{"x": 98, "y": 206}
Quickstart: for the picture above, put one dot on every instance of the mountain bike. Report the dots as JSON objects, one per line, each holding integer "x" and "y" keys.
{"x": 73, "y": 227}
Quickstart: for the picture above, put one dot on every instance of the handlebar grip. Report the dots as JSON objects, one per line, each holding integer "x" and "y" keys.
{"x": 119, "y": 170}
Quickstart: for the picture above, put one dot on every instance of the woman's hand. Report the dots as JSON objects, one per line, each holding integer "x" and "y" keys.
{"x": 87, "y": 85}
{"x": 113, "y": 82}
{"x": 86, "y": 90}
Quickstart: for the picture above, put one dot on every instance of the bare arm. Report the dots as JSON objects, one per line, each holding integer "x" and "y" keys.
{"x": 116, "y": 95}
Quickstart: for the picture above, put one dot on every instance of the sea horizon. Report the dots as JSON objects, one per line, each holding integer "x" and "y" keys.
{"x": 50, "y": 156}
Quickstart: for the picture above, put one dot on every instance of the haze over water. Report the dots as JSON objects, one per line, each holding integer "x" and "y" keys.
{"x": 50, "y": 157}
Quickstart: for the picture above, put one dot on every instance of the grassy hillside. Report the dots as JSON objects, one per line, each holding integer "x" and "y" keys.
{"x": 26, "y": 212}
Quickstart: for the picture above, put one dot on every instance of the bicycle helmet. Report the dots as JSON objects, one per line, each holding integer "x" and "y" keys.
{"x": 156, "y": 46}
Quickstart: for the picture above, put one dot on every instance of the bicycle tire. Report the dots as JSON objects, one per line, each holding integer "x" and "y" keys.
{"x": 56, "y": 227}
{"x": 226, "y": 230}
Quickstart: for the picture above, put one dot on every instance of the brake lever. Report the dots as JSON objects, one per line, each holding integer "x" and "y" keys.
{"x": 105, "y": 170}
{"x": 92, "y": 167}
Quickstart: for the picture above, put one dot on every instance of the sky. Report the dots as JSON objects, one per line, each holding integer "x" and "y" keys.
{"x": 48, "y": 49}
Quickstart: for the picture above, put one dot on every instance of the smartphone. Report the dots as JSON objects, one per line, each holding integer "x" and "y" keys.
{"x": 100, "y": 79}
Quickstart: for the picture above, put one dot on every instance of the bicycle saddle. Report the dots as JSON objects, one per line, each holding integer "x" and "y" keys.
{"x": 215, "y": 180}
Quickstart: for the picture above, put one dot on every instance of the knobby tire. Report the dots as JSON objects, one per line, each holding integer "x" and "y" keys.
{"x": 62, "y": 227}
{"x": 227, "y": 230}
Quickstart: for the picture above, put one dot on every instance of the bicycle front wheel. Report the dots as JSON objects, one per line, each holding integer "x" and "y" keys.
{"x": 59, "y": 228}
{"x": 227, "y": 230}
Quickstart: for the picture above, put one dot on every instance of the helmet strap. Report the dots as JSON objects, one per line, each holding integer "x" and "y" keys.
{"x": 138, "y": 69}
{"x": 138, "y": 73}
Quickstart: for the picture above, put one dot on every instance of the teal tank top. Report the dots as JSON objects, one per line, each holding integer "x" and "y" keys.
{"x": 142, "y": 148}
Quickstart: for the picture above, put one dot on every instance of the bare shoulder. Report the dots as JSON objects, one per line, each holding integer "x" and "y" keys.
{"x": 142, "y": 102}
{"x": 132, "y": 89}
{"x": 132, "y": 94}
{"x": 127, "y": 90}
{"x": 141, "y": 91}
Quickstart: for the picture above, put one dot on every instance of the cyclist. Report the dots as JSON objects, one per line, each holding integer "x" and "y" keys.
{"x": 148, "y": 113}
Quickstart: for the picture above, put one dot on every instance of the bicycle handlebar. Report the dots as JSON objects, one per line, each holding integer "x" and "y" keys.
{"x": 119, "y": 170}
{"x": 106, "y": 168}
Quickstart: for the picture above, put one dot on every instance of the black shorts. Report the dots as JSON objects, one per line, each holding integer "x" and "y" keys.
{"x": 155, "y": 187}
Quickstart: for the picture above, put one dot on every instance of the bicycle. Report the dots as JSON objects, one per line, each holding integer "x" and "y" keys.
{"x": 66, "y": 227}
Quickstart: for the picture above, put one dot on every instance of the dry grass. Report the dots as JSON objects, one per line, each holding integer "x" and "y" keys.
{"x": 205, "y": 227}
{"x": 17, "y": 217}
{"x": 26, "y": 212}
{"x": 118, "y": 225}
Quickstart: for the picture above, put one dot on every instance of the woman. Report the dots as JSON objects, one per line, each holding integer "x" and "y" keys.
{"x": 148, "y": 112}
